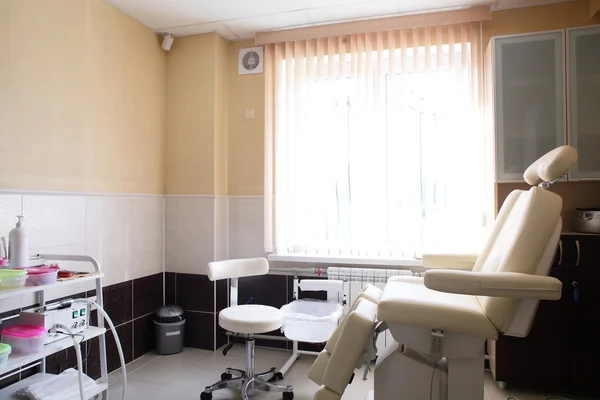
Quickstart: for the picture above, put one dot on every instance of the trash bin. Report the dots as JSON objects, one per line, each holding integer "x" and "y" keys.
{"x": 169, "y": 326}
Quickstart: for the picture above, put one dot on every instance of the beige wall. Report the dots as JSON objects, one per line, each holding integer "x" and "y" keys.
{"x": 189, "y": 145}
{"x": 210, "y": 147}
{"x": 196, "y": 136}
{"x": 82, "y": 98}
{"x": 245, "y": 137}
{"x": 221, "y": 112}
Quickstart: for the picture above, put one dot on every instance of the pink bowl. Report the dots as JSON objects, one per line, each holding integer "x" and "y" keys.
{"x": 40, "y": 270}
{"x": 24, "y": 331}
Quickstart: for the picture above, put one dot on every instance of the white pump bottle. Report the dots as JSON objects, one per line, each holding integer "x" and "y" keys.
{"x": 18, "y": 246}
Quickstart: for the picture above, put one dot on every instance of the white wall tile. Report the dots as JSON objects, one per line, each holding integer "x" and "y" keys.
{"x": 246, "y": 230}
{"x": 146, "y": 216}
{"x": 106, "y": 217}
{"x": 189, "y": 230}
{"x": 72, "y": 249}
{"x": 125, "y": 234}
{"x": 10, "y": 207}
{"x": 112, "y": 260}
{"x": 221, "y": 228}
{"x": 145, "y": 256}
{"x": 107, "y": 222}
{"x": 54, "y": 220}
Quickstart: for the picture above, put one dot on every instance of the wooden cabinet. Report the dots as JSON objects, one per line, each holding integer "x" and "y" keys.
{"x": 544, "y": 90}
{"x": 559, "y": 355}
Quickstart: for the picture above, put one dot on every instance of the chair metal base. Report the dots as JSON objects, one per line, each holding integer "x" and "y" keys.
{"x": 248, "y": 380}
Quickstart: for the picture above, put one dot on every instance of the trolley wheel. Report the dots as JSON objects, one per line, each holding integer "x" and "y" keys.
{"x": 278, "y": 376}
{"x": 205, "y": 396}
{"x": 288, "y": 395}
{"x": 225, "y": 376}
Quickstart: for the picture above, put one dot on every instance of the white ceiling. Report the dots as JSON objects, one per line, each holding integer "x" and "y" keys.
{"x": 241, "y": 19}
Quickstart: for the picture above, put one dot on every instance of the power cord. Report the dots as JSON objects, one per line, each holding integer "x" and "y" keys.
{"x": 78, "y": 354}
{"x": 68, "y": 303}
{"x": 87, "y": 355}
{"x": 431, "y": 382}
{"x": 117, "y": 341}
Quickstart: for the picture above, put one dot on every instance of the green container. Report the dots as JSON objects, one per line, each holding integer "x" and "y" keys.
{"x": 12, "y": 278}
{"x": 5, "y": 351}
{"x": 11, "y": 273}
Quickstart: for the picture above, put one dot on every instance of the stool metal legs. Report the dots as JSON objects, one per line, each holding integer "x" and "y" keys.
{"x": 248, "y": 380}
{"x": 250, "y": 357}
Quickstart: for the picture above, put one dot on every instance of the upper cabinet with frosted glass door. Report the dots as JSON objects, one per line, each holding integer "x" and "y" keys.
{"x": 529, "y": 99}
{"x": 583, "y": 86}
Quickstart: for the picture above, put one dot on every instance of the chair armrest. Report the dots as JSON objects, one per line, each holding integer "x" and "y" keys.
{"x": 495, "y": 284}
{"x": 463, "y": 262}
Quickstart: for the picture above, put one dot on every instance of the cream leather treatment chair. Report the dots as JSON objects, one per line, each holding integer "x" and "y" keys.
{"x": 245, "y": 320}
{"x": 442, "y": 321}
{"x": 350, "y": 347}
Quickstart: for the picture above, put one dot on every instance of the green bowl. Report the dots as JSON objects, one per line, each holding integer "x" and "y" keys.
{"x": 12, "y": 273}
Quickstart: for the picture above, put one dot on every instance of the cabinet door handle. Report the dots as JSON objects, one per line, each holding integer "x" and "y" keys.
{"x": 578, "y": 252}
{"x": 575, "y": 285}
{"x": 560, "y": 251}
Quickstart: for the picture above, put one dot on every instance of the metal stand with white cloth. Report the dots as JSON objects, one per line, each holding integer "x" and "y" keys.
{"x": 311, "y": 328}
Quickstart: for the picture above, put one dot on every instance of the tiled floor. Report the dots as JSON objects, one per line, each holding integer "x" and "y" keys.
{"x": 183, "y": 376}
{"x": 493, "y": 393}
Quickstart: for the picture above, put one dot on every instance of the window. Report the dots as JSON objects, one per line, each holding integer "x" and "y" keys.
{"x": 375, "y": 150}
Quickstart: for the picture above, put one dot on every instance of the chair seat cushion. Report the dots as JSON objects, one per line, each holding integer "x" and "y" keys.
{"x": 250, "y": 318}
{"x": 411, "y": 303}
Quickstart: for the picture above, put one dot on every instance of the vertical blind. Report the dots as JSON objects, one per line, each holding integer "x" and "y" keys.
{"x": 374, "y": 145}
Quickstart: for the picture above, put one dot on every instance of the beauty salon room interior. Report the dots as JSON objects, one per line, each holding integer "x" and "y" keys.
{"x": 341, "y": 193}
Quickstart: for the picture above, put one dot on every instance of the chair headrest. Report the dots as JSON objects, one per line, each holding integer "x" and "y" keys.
{"x": 551, "y": 166}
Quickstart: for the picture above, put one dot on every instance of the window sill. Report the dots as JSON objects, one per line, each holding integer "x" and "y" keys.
{"x": 322, "y": 259}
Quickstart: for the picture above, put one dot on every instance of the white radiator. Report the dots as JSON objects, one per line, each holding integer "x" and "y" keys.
{"x": 356, "y": 278}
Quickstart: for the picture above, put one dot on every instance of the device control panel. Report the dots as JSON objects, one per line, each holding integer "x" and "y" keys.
{"x": 75, "y": 317}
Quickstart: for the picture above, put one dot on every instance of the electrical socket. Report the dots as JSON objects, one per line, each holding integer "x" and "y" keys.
{"x": 437, "y": 346}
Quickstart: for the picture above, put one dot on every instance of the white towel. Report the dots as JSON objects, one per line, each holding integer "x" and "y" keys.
{"x": 58, "y": 387}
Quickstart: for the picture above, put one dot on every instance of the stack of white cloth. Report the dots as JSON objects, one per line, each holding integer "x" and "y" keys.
{"x": 57, "y": 387}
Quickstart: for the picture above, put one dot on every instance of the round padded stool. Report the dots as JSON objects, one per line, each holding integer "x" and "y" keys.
{"x": 244, "y": 321}
{"x": 250, "y": 318}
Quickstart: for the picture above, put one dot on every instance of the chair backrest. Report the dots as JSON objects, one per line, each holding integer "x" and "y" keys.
{"x": 239, "y": 268}
{"x": 524, "y": 238}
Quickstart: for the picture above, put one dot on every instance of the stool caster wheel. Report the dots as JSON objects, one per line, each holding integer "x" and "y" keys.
{"x": 225, "y": 377}
{"x": 278, "y": 376}
{"x": 288, "y": 395}
{"x": 205, "y": 396}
